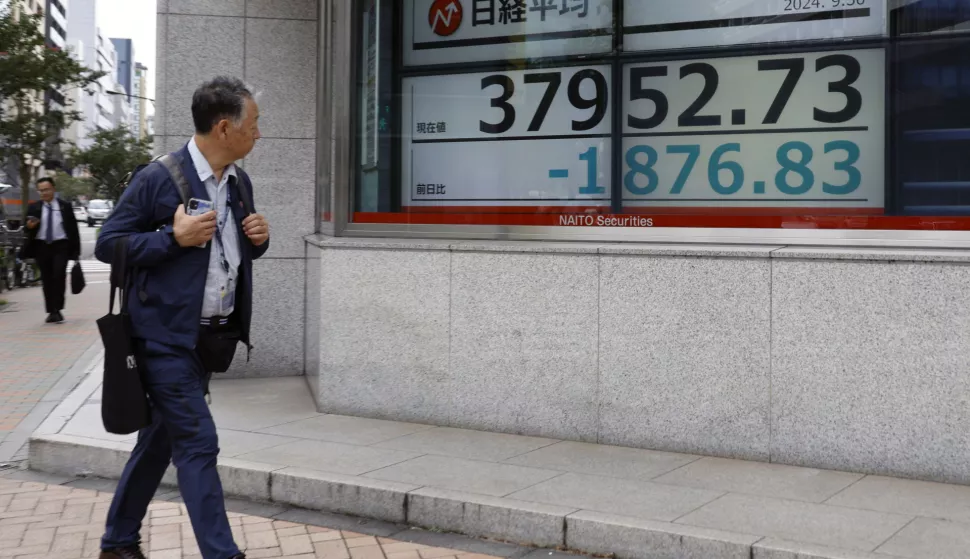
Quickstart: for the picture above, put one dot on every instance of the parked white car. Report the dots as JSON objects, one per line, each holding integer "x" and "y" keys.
{"x": 80, "y": 214}
{"x": 98, "y": 211}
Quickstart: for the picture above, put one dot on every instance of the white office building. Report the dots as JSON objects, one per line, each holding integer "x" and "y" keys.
{"x": 122, "y": 114}
{"x": 56, "y": 22}
{"x": 97, "y": 52}
{"x": 139, "y": 108}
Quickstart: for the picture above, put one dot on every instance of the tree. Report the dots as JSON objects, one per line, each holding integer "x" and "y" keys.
{"x": 111, "y": 156}
{"x": 28, "y": 69}
{"x": 72, "y": 188}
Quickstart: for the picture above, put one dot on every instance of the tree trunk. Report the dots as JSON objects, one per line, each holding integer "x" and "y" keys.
{"x": 25, "y": 176}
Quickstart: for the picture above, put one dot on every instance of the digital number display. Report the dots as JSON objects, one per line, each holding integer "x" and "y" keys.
{"x": 774, "y": 131}
{"x": 518, "y": 138}
{"x": 762, "y": 131}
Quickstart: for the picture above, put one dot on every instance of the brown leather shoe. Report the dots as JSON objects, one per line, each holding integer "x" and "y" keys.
{"x": 131, "y": 552}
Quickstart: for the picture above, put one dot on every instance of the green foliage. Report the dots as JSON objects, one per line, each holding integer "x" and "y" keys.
{"x": 111, "y": 157}
{"x": 28, "y": 69}
{"x": 72, "y": 188}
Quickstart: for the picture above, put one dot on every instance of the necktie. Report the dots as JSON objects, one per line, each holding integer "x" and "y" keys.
{"x": 50, "y": 224}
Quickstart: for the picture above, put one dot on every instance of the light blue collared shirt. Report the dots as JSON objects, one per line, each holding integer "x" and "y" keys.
{"x": 220, "y": 286}
{"x": 52, "y": 212}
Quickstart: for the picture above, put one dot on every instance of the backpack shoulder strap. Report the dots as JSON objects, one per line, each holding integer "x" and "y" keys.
{"x": 119, "y": 274}
{"x": 175, "y": 170}
{"x": 246, "y": 193}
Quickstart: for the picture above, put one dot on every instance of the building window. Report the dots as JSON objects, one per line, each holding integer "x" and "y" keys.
{"x": 821, "y": 114}
{"x": 57, "y": 27}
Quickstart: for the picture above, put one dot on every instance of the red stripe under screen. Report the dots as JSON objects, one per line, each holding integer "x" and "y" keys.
{"x": 759, "y": 218}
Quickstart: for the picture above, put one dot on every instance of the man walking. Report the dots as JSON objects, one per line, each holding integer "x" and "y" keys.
{"x": 52, "y": 239}
{"x": 192, "y": 284}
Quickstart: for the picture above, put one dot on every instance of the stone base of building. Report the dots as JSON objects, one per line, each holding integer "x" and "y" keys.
{"x": 830, "y": 358}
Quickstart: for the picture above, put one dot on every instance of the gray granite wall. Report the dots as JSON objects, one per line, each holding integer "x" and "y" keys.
{"x": 272, "y": 46}
{"x": 832, "y": 359}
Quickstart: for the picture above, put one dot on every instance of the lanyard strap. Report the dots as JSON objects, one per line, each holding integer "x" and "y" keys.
{"x": 221, "y": 220}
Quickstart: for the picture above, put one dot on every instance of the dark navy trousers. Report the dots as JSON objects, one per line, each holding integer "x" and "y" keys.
{"x": 182, "y": 432}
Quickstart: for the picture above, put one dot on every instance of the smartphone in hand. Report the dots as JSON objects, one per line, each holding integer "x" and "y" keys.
{"x": 197, "y": 207}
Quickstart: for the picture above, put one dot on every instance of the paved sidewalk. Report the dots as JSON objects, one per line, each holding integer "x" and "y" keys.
{"x": 39, "y": 520}
{"x": 34, "y": 356}
{"x": 530, "y": 490}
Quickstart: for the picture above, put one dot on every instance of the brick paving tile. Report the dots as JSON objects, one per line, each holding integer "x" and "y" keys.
{"x": 317, "y": 537}
{"x": 296, "y": 545}
{"x": 73, "y": 532}
{"x": 43, "y": 536}
{"x": 70, "y": 542}
{"x": 436, "y": 553}
{"x": 331, "y": 550}
{"x": 261, "y": 553}
{"x": 28, "y": 366}
{"x": 361, "y": 542}
{"x": 390, "y": 546}
{"x": 296, "y": 531}
{"x": 157, "y": 530}
{"x": 367, "y": 552}
{"x": 262, "y": 540}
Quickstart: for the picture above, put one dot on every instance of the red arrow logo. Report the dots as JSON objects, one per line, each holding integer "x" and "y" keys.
{"x": 445, "y": 17}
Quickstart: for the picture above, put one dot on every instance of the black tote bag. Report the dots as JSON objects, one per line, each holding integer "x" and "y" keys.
{"x": 77, "y": 279}
{"x": 124, "y": 403}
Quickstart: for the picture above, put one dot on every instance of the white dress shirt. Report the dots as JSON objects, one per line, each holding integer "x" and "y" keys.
{"x": 220, "y": 285}
{"x": 52, "y": 212}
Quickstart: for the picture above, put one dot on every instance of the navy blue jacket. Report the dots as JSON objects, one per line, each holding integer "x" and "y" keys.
{"x": 166, "y": 291}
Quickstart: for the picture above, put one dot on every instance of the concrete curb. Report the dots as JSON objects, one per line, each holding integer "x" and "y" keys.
{"x": 475, "y": 515}
{"x": 491, "y": 517}
{"x": 628, "y": 538}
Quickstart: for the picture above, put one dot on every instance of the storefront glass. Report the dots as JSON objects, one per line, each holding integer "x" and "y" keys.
{"x": 825, "y": 114}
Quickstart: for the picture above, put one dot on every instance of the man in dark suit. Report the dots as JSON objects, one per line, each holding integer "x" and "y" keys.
{"x": 52, "y": 239}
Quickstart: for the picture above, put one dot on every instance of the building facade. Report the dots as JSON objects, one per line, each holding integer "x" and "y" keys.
{"x": 9, "y": 170}
{"x": 55, "y": 30}
{"x": 122, "y": 115}
{"x": 125, "y": 49}
{"x": 139, "y": 107}
{"x": 96, "y": 52}
{"x": 706, "y": 227}
{"x": 56, "y": 22}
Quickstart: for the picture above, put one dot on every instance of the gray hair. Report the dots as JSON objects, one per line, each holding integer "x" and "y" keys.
{"x": 218, "y": 99}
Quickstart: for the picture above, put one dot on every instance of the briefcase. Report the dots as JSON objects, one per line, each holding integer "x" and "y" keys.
{"x": 77, "y": 278}
{"x": 124, "y": 403}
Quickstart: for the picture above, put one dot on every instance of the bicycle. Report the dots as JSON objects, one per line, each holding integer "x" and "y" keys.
{"x": 7, "y": 266}
{"x": 8, "y": 257}
{"x": 15, "y": 271}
